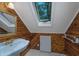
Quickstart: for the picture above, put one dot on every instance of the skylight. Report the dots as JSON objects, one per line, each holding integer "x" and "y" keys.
{"x": 43, "y": 10}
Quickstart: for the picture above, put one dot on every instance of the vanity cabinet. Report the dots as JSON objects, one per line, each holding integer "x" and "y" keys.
{"x": 71, "y": 49}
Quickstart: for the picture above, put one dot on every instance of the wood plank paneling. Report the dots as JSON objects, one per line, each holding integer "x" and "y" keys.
{"x": 22, "y": 31}
{"x": 71, "y": 49}
{"x": 32, "y": 45}
{"x": 74, "y": 28}
{"x": 35, "y": 41}
{"x": 57, "y": 43}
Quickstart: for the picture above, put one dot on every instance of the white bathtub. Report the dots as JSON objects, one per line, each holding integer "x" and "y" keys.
{"x": 14, "y": 48}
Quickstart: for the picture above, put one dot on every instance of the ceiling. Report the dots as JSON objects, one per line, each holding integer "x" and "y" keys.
{"x": 63, "y": 13}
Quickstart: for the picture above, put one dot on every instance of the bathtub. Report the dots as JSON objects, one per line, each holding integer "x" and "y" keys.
{"x": 14, "y": 48}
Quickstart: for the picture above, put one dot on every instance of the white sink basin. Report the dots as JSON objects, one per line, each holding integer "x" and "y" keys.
{"x": 14, "y": 47}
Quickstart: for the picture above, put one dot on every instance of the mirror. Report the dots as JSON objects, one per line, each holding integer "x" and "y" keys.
{"x": 7, "y": 23}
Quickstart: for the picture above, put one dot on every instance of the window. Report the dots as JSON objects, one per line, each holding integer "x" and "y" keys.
{"x": 43, "y": 10}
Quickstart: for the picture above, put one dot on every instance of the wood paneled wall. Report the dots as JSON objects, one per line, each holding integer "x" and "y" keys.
{"x": 57, "y": 43}
{"x": 72, "y": 48}
{"x": 22, "y": 31}
{"x": 74, "y": 28}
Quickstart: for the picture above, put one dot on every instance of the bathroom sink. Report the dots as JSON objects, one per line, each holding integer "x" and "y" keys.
{"x": 13, "y": 48}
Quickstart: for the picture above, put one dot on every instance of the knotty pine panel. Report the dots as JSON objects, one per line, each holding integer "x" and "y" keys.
{"x": 74, "y": 27}
{"x": 22, "y": 31}
{"x": 71, "y": 49}
{"x": 57, "y": 43}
